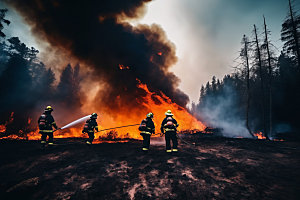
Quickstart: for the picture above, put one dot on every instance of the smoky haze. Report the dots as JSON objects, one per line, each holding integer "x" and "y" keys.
{"x": 221, "y": 111}
{"x": 118, "y": 53}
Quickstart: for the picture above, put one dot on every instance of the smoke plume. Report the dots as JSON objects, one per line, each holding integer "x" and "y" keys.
{"x": 120, "y": 55}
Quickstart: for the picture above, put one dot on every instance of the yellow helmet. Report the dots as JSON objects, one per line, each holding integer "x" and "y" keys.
{"x": 49, "y": 108}
{"x": 150, "y": 115}
{"x": 94, "y": 116}
{"x": 169, "y": 113}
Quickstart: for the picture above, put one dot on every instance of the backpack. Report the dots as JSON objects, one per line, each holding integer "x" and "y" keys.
{"x": 170, "y": 123}
{"x": 42, "y": 122}
{"x": 143, "y": 125}
{"x": 87, "y": 125}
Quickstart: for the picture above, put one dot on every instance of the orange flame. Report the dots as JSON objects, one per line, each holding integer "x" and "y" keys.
{"x": 185, "y": 119}
{"x": 29, "y": 120}
{"x": 260, "y": 136}
{"x": 152, "y": 102}
{"x": 10, "y": 120}
{"x": 2, "y": 128}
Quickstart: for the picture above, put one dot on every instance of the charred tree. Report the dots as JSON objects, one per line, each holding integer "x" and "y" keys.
{"x": 270, "y": 71}
{"x": 261, "y": 75}
{"x": 245, "y": 57}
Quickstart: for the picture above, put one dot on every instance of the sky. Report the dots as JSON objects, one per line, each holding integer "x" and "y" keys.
{"x": 207, "y": 33}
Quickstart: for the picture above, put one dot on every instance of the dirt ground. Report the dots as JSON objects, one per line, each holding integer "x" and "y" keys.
{"x": 213, "y": 168}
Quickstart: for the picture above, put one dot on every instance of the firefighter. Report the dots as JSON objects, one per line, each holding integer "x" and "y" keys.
{"x": 89, "y": 127}
{"x": 169, "y": 128}
{"x": 46, "y": 122}
{"x": 147, "y": 128}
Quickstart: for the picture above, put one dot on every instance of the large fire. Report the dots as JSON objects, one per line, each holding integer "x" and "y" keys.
{"x": 152, "y": 102}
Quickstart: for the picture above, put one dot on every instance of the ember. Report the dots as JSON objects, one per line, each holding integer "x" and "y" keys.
{"x": 122, "y": 67}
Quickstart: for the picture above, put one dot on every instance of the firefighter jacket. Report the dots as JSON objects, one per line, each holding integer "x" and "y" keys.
{"x": 169, "y": 124}
{"x": 46, "y": 121}
{"x": 147, "y": 126}
{"x": 90, "y": 126}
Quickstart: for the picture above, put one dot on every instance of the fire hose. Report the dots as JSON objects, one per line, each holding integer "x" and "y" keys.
{"x": 117, "y": 127}
{"x": 161, "y": 134}
{"x": 182, "y": 140}
{"x": 57, "y": 129}
{"x": 191, "y": 144}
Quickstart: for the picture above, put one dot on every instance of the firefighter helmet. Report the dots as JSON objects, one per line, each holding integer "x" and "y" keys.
{"x": 169, "y": 113}
{"x": 150, "y": 115}
{"x": 49, "y": 108}
{"x": 94, "y": 116}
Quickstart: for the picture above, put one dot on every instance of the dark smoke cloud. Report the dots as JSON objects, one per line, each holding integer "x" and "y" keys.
{"x": 95, "y": 34}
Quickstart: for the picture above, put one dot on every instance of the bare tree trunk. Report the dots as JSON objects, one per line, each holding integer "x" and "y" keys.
{"x": 295, "y": 35}
{"x": 270, "y": 80}
{"x": 261, "y": 81}
{"x": 248, "y": 86}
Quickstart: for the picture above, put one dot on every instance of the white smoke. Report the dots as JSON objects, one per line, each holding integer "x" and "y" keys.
{"x": 221, "y": 111}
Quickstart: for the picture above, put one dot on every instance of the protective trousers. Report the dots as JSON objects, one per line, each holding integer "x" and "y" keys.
{"x": 91, "y": 136}
{"x": 171, "y": 135}
{"x": 146, "y": 141}
{"x": 44, "y": 137}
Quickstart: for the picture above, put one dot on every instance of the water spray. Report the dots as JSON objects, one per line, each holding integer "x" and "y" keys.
{"x": 87, "y": 117}
{"x": 75, "y": 122}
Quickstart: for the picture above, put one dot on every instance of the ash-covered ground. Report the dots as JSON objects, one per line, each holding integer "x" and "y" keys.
{"x": 215, "y": 168}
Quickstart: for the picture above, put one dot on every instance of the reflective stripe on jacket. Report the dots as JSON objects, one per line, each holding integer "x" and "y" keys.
{"x": 146, "y": 132}
{"x": 149, "y": 126}
{"x": 46, "y": 131}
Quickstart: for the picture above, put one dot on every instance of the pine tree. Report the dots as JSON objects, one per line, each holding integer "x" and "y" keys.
{"x": 290, "y": 34}
{"x": 67, "y": 92}
{"x": 214, "y": 85}
{"x": 3, "y": 20}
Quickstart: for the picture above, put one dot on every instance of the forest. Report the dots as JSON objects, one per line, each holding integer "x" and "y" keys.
{"x": 261, "y": 95}
{"x": 263, "y": 92}
{"x": 26, "y": 84}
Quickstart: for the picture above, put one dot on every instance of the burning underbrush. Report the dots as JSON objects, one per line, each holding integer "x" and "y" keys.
{"x": 156, "y": 103}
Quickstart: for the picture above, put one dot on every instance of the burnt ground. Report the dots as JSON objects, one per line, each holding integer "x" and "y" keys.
{"x": 216, "y": 168}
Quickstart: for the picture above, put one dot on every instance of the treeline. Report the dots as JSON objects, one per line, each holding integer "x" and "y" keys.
{"x": 264, "y": 91}
{"x": 27, "y": 85}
